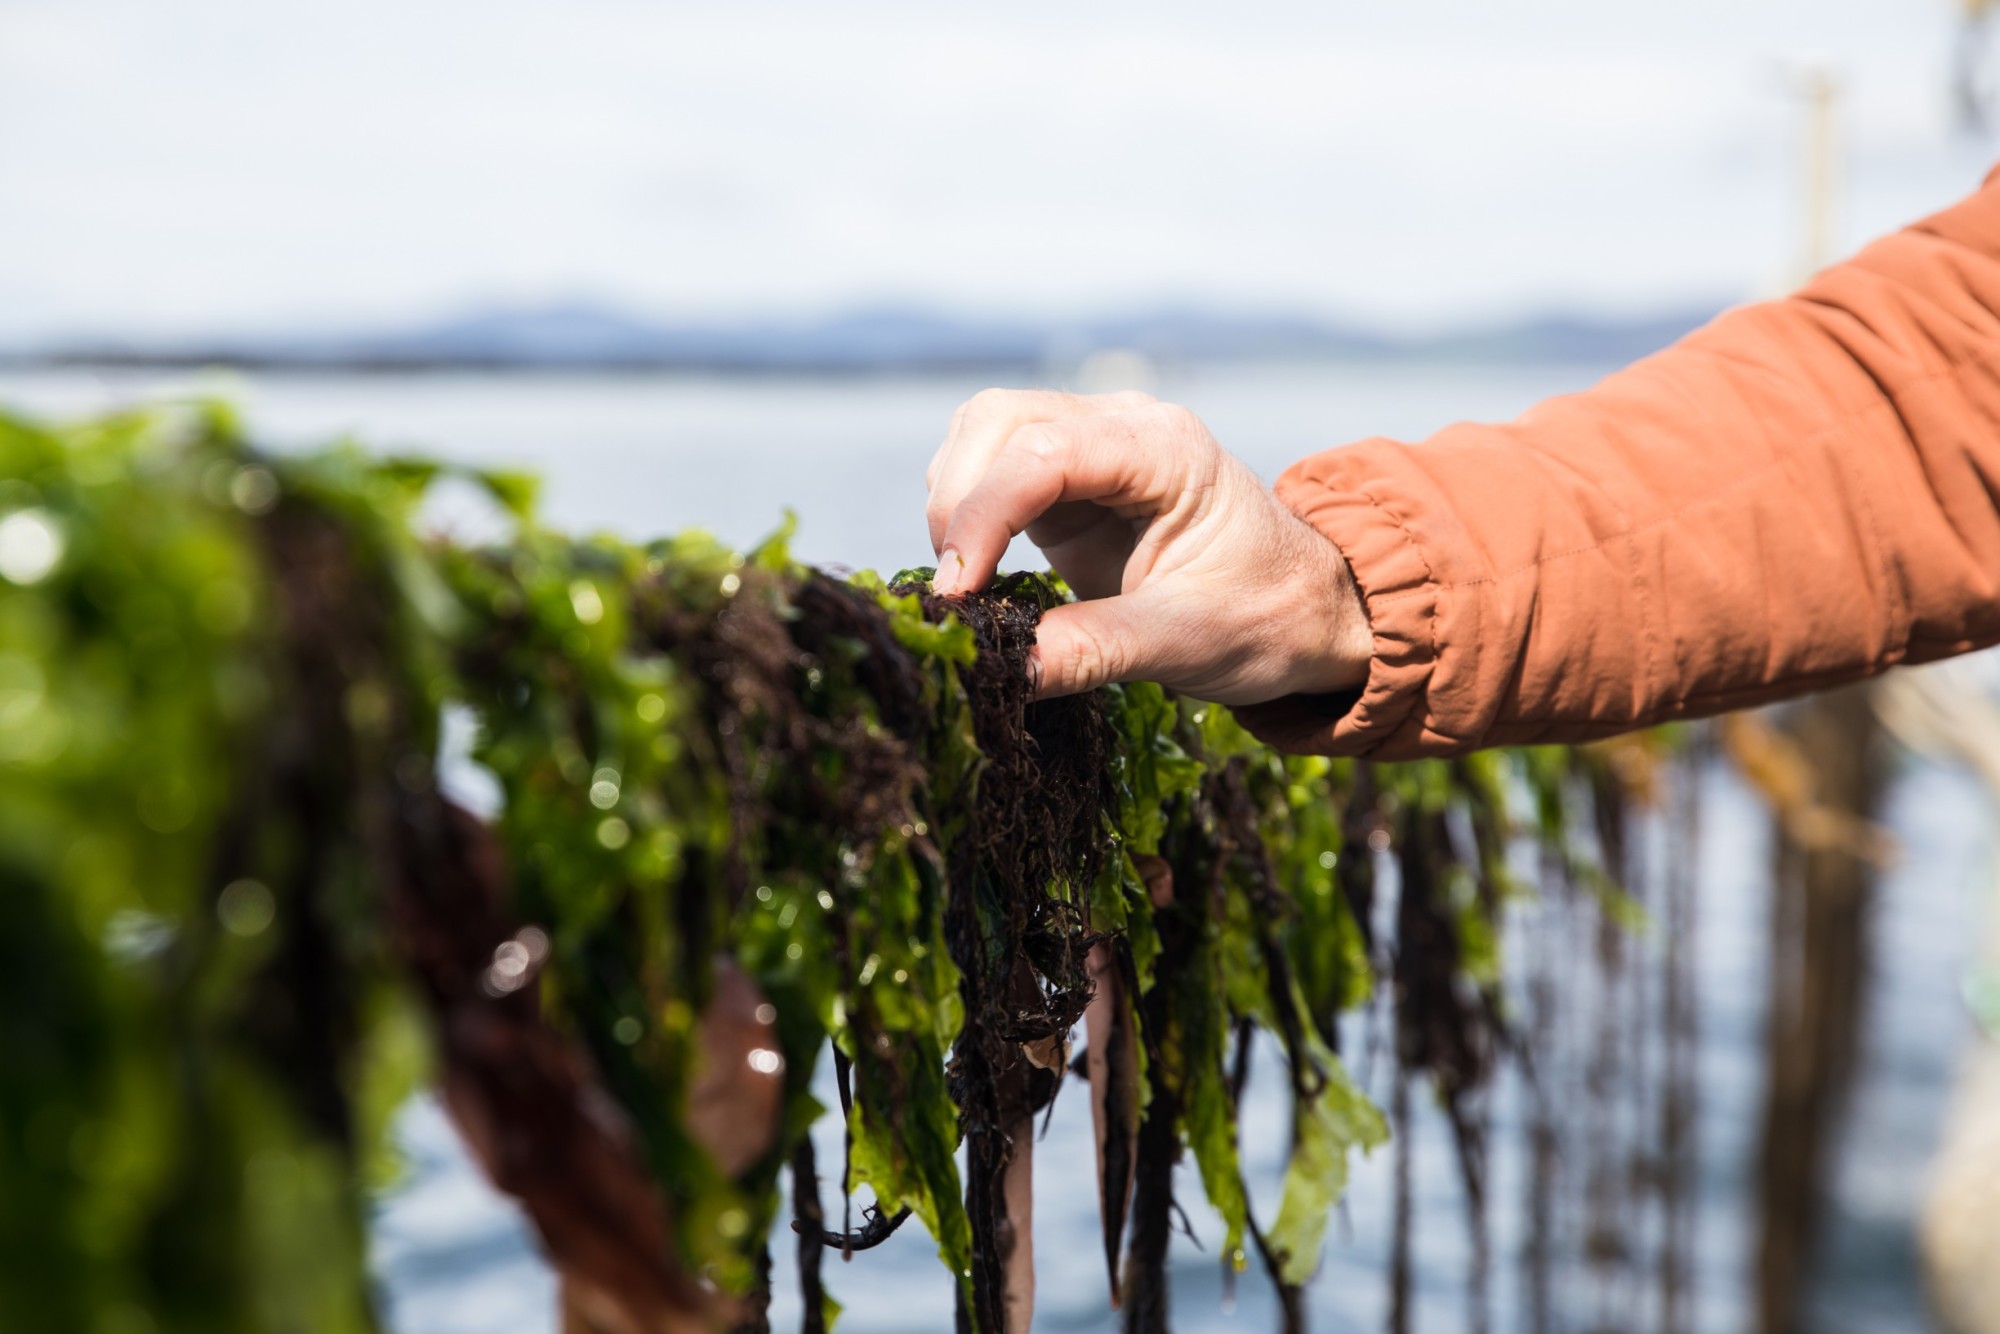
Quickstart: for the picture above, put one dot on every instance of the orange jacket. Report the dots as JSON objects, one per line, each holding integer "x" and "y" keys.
{"x": 1803, "y": 493}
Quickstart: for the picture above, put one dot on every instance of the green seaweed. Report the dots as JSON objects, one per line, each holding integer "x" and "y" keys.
{"x": 246, "y": 924}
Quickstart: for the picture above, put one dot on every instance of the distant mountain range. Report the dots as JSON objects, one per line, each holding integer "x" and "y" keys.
{"x": 589, "y": 337}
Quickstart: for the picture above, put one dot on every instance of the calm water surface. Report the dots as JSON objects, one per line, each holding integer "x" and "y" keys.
{"x": 644, "y": 456}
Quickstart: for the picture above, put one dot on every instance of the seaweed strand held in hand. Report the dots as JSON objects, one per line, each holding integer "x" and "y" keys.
{"x": 740, "y": 814}
{"x": 1013, "y": 921}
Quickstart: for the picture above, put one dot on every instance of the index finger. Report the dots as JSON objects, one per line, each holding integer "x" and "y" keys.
{"x": 1146, "y": 460}
{"x": 982, "y": 426}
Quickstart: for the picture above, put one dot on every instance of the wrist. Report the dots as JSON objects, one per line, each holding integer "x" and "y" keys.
{"x": 1337, "y": 644}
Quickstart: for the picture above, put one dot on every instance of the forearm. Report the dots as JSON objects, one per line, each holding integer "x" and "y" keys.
{"x": 1801, "y": 494}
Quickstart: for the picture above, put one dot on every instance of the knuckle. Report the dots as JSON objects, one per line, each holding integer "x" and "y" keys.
{"x": 1182, "y": 421}
{"x": 986, "y": 404}
{"x": 1042, "y": 441}
{"x": 1193, "y": 446}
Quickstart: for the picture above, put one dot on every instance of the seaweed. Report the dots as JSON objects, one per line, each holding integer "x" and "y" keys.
{"x": 747, "y": 814}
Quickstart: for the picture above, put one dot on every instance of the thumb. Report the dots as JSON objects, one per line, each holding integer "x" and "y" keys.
{"x": 1082, "y": 645}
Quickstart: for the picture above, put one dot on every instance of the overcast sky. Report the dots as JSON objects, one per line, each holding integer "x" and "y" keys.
{"x": 230, "y": 164}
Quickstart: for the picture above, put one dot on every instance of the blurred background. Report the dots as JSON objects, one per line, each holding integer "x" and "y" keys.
{"x": 699, "y": 264}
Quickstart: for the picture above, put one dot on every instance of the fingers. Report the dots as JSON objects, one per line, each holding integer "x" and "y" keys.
{"x": 1143, "y": 462}
{"x": 982, "y": 426}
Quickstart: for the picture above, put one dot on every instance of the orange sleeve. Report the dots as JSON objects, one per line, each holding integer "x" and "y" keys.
{"x": 1803, "y": 493}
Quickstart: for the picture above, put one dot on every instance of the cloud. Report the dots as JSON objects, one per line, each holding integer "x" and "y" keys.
{"x": 230, "y": 163}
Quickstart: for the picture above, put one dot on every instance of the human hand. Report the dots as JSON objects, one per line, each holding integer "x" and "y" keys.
{"x": 1191, "y": 571}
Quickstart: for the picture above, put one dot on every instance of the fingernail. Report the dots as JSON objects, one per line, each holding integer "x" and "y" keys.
{"x": 950, "y": 569}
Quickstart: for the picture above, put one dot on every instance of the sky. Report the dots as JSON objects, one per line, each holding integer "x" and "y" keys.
{"x": 191, "y": 166}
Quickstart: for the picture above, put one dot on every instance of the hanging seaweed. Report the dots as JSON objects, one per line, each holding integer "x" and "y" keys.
{"x": 747, "y": 814}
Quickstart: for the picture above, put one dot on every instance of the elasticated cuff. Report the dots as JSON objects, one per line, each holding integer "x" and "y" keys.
{"x": 1354, "y": 506}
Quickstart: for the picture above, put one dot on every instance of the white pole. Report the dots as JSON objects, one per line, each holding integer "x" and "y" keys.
{"x": 1819, "y": 88}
